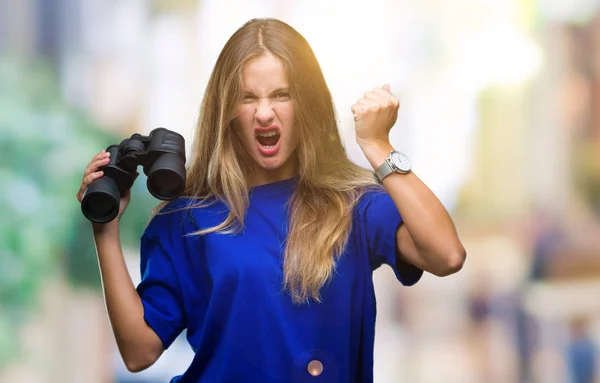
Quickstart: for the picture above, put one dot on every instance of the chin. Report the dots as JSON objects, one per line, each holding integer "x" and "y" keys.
{"x": 271, "y": 163}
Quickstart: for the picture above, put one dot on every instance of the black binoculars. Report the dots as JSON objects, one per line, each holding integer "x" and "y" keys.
{"x": 162, "y": 155}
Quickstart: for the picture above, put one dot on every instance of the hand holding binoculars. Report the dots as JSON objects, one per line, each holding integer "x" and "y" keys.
{"x": 162, "y": 156}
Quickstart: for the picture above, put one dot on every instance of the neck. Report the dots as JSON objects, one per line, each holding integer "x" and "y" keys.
{"x": 262, "y": 177}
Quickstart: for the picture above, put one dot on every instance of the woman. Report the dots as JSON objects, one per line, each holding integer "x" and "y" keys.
{"x": 268, "y": 260}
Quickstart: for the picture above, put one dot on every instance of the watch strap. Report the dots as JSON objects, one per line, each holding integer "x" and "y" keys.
{"x": 384, "y": 170}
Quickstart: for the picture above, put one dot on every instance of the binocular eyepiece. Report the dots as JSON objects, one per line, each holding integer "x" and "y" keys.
{"x": 162, "y": 155}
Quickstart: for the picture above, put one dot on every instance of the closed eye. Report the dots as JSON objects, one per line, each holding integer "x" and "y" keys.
{"x": 282, "y": 95}
{"x": 277, "y": 95}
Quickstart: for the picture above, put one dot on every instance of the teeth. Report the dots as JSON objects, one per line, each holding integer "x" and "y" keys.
{"x": 268, "y": 134}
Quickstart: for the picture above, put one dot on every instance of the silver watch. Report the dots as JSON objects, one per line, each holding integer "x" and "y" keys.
{"x": 396, "y": 162}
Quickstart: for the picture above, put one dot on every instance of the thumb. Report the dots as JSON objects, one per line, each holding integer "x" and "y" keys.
{"x": 386, "y": 87}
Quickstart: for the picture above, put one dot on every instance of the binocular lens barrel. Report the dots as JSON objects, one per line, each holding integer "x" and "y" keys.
{"x": 101, "y": 199}
{"x": 166, "y": 178}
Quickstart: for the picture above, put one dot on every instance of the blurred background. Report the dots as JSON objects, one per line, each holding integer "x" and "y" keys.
{"x": 500, "y": 115}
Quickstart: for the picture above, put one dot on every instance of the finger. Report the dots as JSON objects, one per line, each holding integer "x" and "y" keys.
{"x": 91, "y": 177}
{"x": 95, "y": 165}
{"x": 357, "y": 110}
{"x": 377, "y": 96}
{"x": 363, "y": 104}
{"x": 382, "y": 92}
{"x": 86, "y": 181}
{"x": 388, "y": 98}
{"x": 386, "y": 87}
{"x": 101, "y": 155}
{"x": 367, "y": 102}
{"x": 98, "y": 157}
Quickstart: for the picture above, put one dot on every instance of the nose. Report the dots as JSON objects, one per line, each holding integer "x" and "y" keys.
{"x": 264, "y": 112}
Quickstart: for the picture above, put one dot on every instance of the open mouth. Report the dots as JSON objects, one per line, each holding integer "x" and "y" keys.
{"x": 268, "y": 139}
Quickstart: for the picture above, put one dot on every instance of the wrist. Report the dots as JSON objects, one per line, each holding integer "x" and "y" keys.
{"x": 106, "y": 229}
{"x": 376, "y": 151}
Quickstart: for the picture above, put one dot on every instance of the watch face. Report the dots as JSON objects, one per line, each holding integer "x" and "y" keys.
{"x": 400, "y": 161}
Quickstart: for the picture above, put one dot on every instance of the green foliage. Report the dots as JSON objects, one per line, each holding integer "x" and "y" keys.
{"x": 45, "y": 145}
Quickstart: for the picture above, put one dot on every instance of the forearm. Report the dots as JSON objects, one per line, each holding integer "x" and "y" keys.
{"x": 424, "y": 216}
{"x": 138, "y": 344}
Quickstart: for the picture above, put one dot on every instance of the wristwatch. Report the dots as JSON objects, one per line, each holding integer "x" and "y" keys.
{"x": 396, "y": 162}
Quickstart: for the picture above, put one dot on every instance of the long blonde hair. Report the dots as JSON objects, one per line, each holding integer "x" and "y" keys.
{"x": 329, "y": 185}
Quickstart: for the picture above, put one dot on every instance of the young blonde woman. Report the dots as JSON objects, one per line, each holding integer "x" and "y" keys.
{"x": 268, "y": 259}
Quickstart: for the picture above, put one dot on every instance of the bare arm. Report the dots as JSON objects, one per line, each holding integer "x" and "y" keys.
{"x": 138, "y": 344}
{"x": 428, "y": 238}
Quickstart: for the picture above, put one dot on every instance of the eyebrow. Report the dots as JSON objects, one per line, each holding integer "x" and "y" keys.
{"x": 280, "y": 89}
